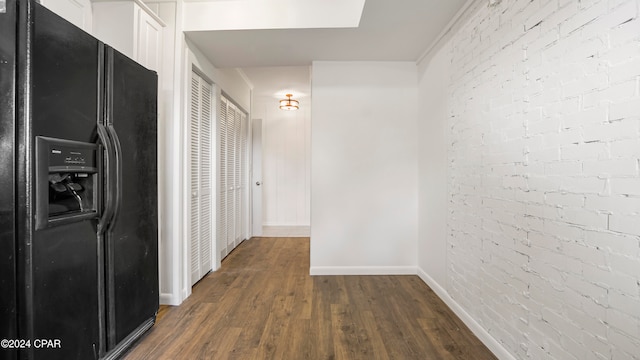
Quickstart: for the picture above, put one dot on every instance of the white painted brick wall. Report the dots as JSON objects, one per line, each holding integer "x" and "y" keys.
{"x": 544, "y": 181}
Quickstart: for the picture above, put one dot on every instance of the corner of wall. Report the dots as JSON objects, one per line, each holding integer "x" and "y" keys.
{"x": 489, "y": 341}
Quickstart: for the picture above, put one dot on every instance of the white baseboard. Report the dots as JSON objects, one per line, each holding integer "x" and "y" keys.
{"x": 285, "y": 231}
{"x": 489, "y": 341}
{"x": 169, "y": 299}
{"x": 362, "y": 270}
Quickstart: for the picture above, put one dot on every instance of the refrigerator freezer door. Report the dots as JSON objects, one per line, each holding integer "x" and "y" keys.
{"x": 65, "y": 75}
{"x": 132, "y": 239}
{"x": 8, "y": 325}
{"x": 63, "y": 301}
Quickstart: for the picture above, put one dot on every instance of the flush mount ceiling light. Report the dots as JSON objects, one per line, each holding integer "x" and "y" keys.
{"x": 289, "y": 104}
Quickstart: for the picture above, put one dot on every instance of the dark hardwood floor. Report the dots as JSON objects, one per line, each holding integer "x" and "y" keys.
{"x": 262, "y": 304}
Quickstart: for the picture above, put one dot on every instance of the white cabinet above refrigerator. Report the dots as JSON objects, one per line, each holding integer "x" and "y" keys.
{"x": 131, "y": 28}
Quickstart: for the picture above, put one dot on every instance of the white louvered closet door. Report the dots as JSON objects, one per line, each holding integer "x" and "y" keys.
{"x": 201, "y": 180}
{"x": 223, "y": 178}
{"x": 231, "y": 178}
{"x": 233, "y": 199}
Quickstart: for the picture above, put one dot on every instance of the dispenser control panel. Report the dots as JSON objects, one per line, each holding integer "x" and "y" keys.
{"x": 64, "y": 156}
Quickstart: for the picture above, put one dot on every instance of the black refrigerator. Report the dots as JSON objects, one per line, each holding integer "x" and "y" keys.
{"x": 78, "y": 191}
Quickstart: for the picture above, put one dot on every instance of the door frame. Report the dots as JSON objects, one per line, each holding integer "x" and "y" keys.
{"x": 256, "y": 177}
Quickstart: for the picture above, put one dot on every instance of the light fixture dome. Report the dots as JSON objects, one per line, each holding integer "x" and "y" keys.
{"x": 289, "y": 104}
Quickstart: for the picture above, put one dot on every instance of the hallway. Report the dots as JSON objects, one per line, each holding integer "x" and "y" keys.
{"x": 262, "y": 304}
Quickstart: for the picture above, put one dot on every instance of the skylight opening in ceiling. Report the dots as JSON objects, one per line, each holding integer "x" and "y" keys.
{"x": 214, "y": 15}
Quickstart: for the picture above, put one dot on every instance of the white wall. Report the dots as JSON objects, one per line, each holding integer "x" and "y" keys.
{"x": 286, "y": 165}
{"x": 363, "y": 167}
{"x": 77, "y": 12}
{"x": 543, "y": 216}
{"x": 432, "y": 160}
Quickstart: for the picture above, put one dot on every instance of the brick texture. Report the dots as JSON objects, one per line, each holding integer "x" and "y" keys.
{"x": 543, "y": 183}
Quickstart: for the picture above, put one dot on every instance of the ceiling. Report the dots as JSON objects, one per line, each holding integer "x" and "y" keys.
{"x": 389, "y": 30}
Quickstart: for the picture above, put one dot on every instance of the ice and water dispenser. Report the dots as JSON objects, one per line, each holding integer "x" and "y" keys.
{"x": 67, "y": 181}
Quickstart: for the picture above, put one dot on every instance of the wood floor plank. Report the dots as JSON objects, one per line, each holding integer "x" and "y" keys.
{"x": 302, "y": 348}
{"x": 345, "y": 339}
{"x": 369, "y": 322}
{"x": 303, "y": 304}
{"x": 262, "y": 304}
{"x": 274, "y": 332}
{"x": 320, "y": 335}
{"x": 221, "y": 349}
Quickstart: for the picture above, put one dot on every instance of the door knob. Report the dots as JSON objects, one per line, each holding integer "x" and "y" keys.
{"x": 258, "y": 183}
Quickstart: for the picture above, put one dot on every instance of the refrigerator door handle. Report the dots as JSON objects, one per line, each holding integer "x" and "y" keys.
{"x": 107, "y": 213}
{"x": 118, "y": 167}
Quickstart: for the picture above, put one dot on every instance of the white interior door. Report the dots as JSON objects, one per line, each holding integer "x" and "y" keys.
{"x": 194, "y": 156}
{"x": 201, "y": 216}
{"x": 231, "y": 177}
{"x": 233, "y": 198}
{"x": 206, "y": 178}
{"x": 256, "y": 181}
{"x": 223, "y": 178}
